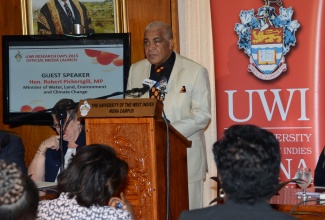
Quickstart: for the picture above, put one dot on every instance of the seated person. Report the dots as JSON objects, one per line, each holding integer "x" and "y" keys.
{"x": 18, "y": 193}
{"x": 87, "y": 186}
{"x": 46, "y": 163}
{"x": 12, "y": 149}
{"x": 248, "y": 164}
{"x": 319, "y": 177}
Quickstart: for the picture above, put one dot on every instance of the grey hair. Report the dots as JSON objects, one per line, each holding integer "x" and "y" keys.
{"x": 166, "y": 28}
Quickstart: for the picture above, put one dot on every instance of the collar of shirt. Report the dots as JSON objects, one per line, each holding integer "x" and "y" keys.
{"x": 168, "y": 67}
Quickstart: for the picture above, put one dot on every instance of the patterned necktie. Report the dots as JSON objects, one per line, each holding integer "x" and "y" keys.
{"x": 69, "y": 12}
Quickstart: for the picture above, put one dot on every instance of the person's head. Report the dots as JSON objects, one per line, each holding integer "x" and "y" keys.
{"x": 65, "y": 110}
{"x": 158, "y": 42}
{"x": 93, "y": 175}
{"x": 18, "y": 193}
{"x": 248, "y": 163}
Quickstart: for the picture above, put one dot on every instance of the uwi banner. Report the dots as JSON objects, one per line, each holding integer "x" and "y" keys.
{"x": 270, "y": 71}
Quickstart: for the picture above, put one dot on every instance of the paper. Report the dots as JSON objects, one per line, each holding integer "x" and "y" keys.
{"x": 44, "y": 185}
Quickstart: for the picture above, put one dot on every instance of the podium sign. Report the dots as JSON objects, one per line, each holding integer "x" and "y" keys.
{"x": 118, "y": 108}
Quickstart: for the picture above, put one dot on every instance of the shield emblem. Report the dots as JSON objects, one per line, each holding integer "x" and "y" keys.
{"x": 266, "y": 38}
{"x": 267, "y": 49}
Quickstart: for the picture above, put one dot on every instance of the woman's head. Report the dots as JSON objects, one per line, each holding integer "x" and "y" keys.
{"x": 65, "y": 110}
{"x": 18, "y": 193}
{"x": 93, "y": 175}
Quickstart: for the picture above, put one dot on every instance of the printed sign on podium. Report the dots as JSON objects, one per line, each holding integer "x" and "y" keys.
{"x": 120, "y": 108}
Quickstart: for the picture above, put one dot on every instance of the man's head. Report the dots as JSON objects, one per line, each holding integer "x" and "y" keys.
{"x": 158, "y": 42}
{"x": 248, "y": 163}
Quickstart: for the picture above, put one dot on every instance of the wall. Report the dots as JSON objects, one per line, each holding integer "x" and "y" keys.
{"x": 138, "y": 14}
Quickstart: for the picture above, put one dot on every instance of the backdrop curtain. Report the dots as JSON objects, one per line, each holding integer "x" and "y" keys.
{"x": 195, "y": 33}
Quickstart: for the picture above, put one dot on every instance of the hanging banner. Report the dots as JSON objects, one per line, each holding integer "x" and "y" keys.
{"x": 270, "y": 71}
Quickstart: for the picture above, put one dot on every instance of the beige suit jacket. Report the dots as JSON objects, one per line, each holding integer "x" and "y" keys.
{"x": 188, "y": 112}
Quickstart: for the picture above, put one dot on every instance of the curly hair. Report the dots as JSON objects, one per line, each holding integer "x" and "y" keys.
{"x": 248, "y": 162}
{"x": 18, "y": 193}
{"x": 93, "y": 175}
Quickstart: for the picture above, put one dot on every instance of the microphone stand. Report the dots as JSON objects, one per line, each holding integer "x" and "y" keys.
{"x": 61, "y": 115}
{"x": 111, "y": 95}
{"x": 140, "y": 93}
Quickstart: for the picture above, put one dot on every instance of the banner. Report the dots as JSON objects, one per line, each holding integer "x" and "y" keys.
{"x": 270, "y": 70}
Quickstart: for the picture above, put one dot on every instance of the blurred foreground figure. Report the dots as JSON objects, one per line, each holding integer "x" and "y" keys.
{"x": 88, "y": 187}
{"x": 18, "y": 194}
{"x": 12, "y": 149}
{"x": 248, "y": 165}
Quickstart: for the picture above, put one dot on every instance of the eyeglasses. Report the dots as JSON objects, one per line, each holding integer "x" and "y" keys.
{"x": 56, "y": 125}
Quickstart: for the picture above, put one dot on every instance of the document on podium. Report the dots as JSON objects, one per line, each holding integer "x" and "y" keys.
{"x": 45, "y": 185}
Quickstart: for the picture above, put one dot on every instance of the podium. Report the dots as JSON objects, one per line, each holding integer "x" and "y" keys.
{"x": 136, "y": 130}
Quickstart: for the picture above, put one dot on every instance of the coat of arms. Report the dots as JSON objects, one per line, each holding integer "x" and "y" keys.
{"x": 84, "y": 108}
{"x": 266, "y": 38}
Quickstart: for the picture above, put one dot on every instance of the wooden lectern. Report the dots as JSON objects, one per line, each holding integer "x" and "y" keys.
{"x": 137, "y": 131}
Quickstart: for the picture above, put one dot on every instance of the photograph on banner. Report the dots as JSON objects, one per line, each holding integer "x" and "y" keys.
{"x": 52, "y": 16}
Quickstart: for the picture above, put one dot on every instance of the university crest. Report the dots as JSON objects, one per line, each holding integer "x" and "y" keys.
{"x": 266, "y": 38}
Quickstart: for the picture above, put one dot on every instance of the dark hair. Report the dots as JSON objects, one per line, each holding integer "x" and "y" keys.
{"x": 93, "y": 175}
{"x": 248, "y": 162}
{"x": 68, "y": 104}
{"x": 18, "y": 193}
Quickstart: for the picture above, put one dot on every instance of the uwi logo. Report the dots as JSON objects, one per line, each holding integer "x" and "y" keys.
{"x": 266, "y": 38}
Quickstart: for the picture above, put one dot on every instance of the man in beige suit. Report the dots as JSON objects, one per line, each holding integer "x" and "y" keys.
{"x": 183, "y": 86}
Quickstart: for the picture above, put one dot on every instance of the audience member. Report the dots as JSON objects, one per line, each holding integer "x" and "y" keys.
{"x": 54, "y": 17}
{"x": 248, "y": 165}
{"x": 319, "y": 177}
{"x": 12, "y": 149}
{"x": 88, "y": 186}
{"x": 46, "y": 163}
{"x": 18, "y": 193}
{"x": 184, "y": 88}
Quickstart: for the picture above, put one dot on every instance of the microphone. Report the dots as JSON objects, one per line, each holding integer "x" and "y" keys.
{"x": 141, "y": 90}
{"x": 147, "y": 85}
{"x": 163, "y": 92}
{"x": 60, "y": 112}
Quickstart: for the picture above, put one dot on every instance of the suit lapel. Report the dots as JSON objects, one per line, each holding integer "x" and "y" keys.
{"x": 175, "y": 76}
{"x": 146, "y": 75}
